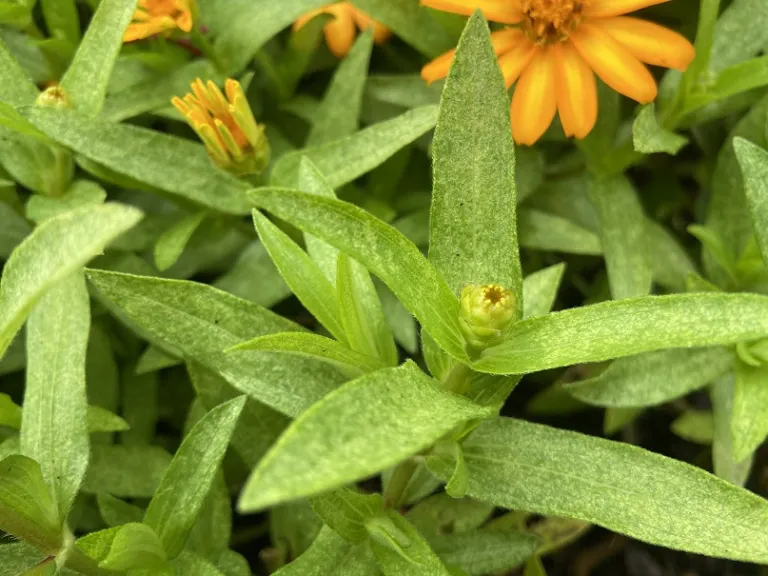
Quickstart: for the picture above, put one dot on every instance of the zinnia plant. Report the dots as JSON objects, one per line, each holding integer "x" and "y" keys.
{"x": 383, "y": 287}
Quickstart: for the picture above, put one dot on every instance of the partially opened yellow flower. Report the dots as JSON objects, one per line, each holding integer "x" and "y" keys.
{"x": 226, "y": 125}
{"x": 553, "y": 48}
{"x": 159, "y": 16}
{"x": 340, "y": 32}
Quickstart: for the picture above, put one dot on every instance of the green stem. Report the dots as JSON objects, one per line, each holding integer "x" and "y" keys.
{"x": 79, "y": 562}
{"x": 393, "y": 494}
{"x": 458, "y": 380}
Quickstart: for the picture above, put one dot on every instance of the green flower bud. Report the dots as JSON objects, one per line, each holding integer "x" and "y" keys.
{"x": 486, "y": 314}
{"x": 54, "y": 97}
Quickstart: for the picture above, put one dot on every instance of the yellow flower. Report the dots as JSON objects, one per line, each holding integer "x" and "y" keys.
{"x": 159, "y": 16}
{"x": 226, "y": 126}
{"x": 554, "y": 48}
{"x": 340, "y": 32}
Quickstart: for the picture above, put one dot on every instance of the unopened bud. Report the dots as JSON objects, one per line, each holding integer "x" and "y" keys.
{"x": 54, "y": 97}
{"x": 226, "y": 126}
{"x": 486, "y": 314}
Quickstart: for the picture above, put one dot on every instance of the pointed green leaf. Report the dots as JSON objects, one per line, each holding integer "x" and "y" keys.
{"x": 331, "y": 554}
{"x": 653, "y": 378}
{"x": 626, "y": 327}
{"x": 16, "y": 88}
{"x": 540, "y": 290}
{"x": 695, "y": 426}
{"x": 57, "y": 248}
{"x": 80, "y": 194}
{"x": 524, "y": 466}
{"x": 347, "y": 512}
{"x": 172, "y": 242}
{"x": 311, "y": 181}
{"x": 340, "y": 440}
{"x": 201, "y": 322}
{"x": 62, "y": 20}
{"x": 125, "y": 471}
{"x": 488, "y": 551}
{"x": 176, "y": 166}
{"x": 26, "y": 508}
{"x": 724, "y": 464}
{"x": 339, "y": 112}
{"x": 15, "y": 229}
{"x": 101, "y": 420}
{"x": 754, "y": 166}
{"x": 539, "y": 230}
{"x": 85, "y": 82}
{"x": 115, "y": 512}
{"x": 650, "y": 138}
{"x": 181, "y": 493}
{"x": 302, "y": 275}
{"x": 135, "y": 547}
{"x": 472, "y": 223}
{"x": 749, "y": 421}
{"x": 345, "y": 160}
{"x": 193, "y": 565}
{"x": 381, "y": 249}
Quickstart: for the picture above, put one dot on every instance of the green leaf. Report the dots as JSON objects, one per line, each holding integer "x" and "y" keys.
{"x": 534, "y": 567}
{"x": 314, "y": 346}
{"x": 622, "y": 232}
{"x": 139, "y": 406}
{"x": 331, "y": 554}
{"x": 154, "y": 359}
{"x": 540, "y": 290}
{"x": 695, "y": 426}
{"x": 410, "y": 22}
{"x": 16, "y": 88}
{"x": 653, "y": 378}
{"x": 85, "y": 82}
{"x": 254, "y": 262}
{"x": 80, "y": 194}
{"x": 557, "y": 533}
{"x": 381, "y": 249}
{"x": 739, "y": 34}
{"x": 57, "y": 248}
{"x": 650, "y": 138}
{"x": 135, "y": 547}
{"x": 408, "y": 91}
{"x": 101, "y": 420}
{"x": 346, "y": 512}
{"x": 15, "y": 229}
{"x": 626, "y": 327}
{"x": 125, "y": 471}
{"x": 440, "y": 514}
{"x": 749, "y": 420}
{"x": 541, "y": 230}
{"x": 754, "y": 166}
{"x": 725, "y": 465}
{"x": 486, "y": 551}
{"x": 181, "y": 493}
{"x": 54, "y": 430}
{"x": 302, "y": 275}
{"x": 115, "y": 512}
{"x": 339, "y": 112}
{"x": 172, "y": 242}
{"x": 194, "y": 565}
{"x": 670, "y": 262}
{"x": 62, "y": 20}
{"x": 10, "y": 412}
{"x": 339, "y": 440}
{"x": 26, "y": 508}
{"x": 201, "y": 322}
{"x": 345, "y": 160}
{"x": 310, "y": 180}
{"x": 524, "y": 466}
{"x": 472, "y": 222}
{"x": 362, "y": 314}
{"x": 161, "y": 161}
{"x": 402, "y": 551}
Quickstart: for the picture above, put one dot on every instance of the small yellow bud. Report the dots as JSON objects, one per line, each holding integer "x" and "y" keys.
{"x": 225, "y": 124}
{"x": 54, "y": 97}
{"x": 486, "y": 314}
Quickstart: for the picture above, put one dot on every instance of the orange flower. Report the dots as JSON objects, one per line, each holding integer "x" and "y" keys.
{"x": 554, "y": 48}
{"x": 233, "y": 139}
{"x": 158, "y": 16}
{"x": 340, "y": 32}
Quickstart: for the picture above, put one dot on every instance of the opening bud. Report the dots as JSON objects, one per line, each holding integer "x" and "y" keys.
{"x": 486, "y": 313}
{"x": 54, "y": 97}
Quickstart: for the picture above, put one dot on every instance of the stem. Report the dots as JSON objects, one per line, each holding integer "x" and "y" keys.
{"x": 393, "y": 494}
{"x": 79, "y": 562}
{"x": 458, "y": 380}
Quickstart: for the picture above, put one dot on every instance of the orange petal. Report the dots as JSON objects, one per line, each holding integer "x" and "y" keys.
{"x": 502, "y": 41}
{"x": 514, "y": 61}
{"x": 605, "y": 8}
{"x": 650, "y": 42}
{"x": 534, "y": 102}
{"x": 380, "y": 32}
{"x": 576, "y": 91}
{"x": 615, "y": 65}
{"x": 340, "y": 33}
{"x": 503, "y": 11}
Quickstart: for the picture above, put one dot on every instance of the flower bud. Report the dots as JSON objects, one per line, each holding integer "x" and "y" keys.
{"x": 486, "y": 314}
{"x": 233, "y": 139}
{"x": 54, "y": 97}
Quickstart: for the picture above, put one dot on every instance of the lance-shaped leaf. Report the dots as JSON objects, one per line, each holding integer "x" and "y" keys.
{"x": 749, "y": 419}
{"x": 344, "y": 160}
{"x": 85, "y": 82}
{"x": 201, "y": 322}
{"x": 16, "y": 88}
{"x": 754, "y": 166}
{"x": 365, "y": 426}
{"x": 723, "y": 461}
{"x": 55, "y": 249}
{"x": 159, "y": 160}
{"x": 487, "y": 551}
{"x": 136, "y": 547}
{"x": 626, "y": 327}
{"x": 540, "y": 290}
{"x": 347, "y": 512}
{"x": 473, "y": 223}
{"x": 381, "y": 249}
{"x": 331, "y": 554}
{"x": 54, "y": 428}
{"x": 180, "y": 496}
{"x": 649, "y": 137}
{"x": 524, "y": 466}
{"x": 653, "y": 378}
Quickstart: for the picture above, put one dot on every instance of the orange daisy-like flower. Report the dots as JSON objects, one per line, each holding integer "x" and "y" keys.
{"x": 340, "y": 32}
{"x": 554, "y": 48}
{"x": 159, "y": 16}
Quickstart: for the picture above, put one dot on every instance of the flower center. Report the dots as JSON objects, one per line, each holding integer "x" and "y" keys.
{"x": 550, "y": 21}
